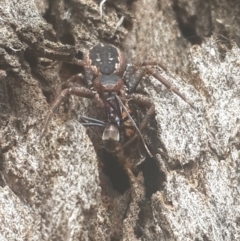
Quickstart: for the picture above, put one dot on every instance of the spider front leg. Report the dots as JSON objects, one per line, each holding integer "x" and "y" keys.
{"x": 134, "y": 73}
{"x": 88, "y": 73}
{"x": 143, "y": 68}
{"x": 71, "y": 82}
{"x": 75, "y": 90}
{"x": 159, "y": 77}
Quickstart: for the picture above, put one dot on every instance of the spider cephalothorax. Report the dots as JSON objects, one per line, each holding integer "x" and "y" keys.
{"x": 111, "y": 83}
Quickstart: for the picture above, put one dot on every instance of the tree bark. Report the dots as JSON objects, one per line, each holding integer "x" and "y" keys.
{"x": 64, "y": 187}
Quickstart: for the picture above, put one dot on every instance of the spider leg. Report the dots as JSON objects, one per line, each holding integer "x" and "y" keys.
{"x": 70, "y": 83}
{"x": 142, "y": 100}
{"x": 134, "y": 124}
{"x": 88, "y": 72}
{"x": 135, "y": 80}
{"x": 143, "y": 68}
{"x": 134, "y": 73}
{"x": 87, "y": 120}
{"x": 75, "y": 90}
{"x": 132, "y": 77}
{"x": 91, "y": 122}
{"x": 151, "y": 63}
{"x": 160, "y": 78}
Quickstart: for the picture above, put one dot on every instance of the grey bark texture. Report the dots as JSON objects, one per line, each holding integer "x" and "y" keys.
{"x": 56, "y": 189}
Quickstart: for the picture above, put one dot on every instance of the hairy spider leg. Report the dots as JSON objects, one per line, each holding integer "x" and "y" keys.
{"x": 71, "y": 82}
{"x": 159, "y": 77}
{"x": 75, "y": 90}
{"x": 65, "y": 85}
{"x": 142, "y": 100}
{"x": 143, "y": 68}
{"x": 134, "y": 124}
{"x": 151, "y": 63}
{"x": 88, "y": 73}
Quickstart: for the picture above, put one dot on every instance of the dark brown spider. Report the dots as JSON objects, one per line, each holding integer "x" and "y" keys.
{"x": 111, "y": 83}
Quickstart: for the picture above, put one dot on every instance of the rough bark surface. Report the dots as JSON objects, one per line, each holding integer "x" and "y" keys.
{"x": 57, "y": 188}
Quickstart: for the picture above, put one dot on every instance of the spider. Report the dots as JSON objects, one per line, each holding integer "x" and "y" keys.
{"x": 111, "y": 83}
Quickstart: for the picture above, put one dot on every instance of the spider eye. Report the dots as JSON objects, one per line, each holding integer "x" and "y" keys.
{"x": 98, "y": 58}
{"x": 110, "y": 57}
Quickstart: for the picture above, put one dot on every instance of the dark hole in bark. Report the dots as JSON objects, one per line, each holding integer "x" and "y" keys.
{"x": 114, "y": 170}
{"x": 144, "y": 216}
{"x": 30, "y": 58}
{"x": 79, "y": 55}
{"x": 48, "y": 15}
{"x": 205, "y": 238}
{"x": 130, "y": 2}
{"x": 115, "y": 239}
{"x": 61, "y": 27}
{"x": 153, "y": 177}
{"x": 187, "y": 25}
{"x": 138, "y": 231}
{"x": 189, "y": 32}
{"x": 67, "y": 38}
{"x": 2, "y": 183}
{"x": 128, "y": 24}
{"x": 18, "y": 126}
{"x": 4, "y": 106}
